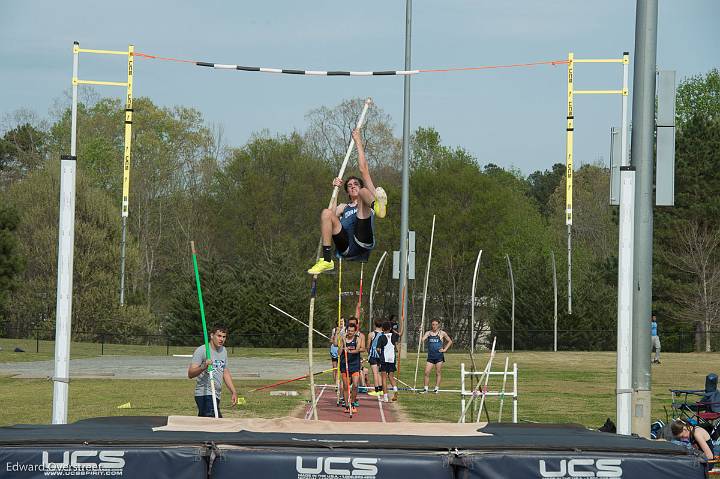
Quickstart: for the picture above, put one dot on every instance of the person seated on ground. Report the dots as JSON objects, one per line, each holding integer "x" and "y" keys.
{"x": 350, "y": 226}
{"x": 438, "y": 342}
{"x": 697, "y": 436}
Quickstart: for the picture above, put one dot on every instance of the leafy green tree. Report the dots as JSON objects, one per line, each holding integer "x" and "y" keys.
{"x": 10, "y": 260}
{"x": 544, "y": 183}
{"x": 95, "y": 279}
{"x": 22, "y": 150}
{"x": 698, "y": 96}
{"x": 696, "y": 209}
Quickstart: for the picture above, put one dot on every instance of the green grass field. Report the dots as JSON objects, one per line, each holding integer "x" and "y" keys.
{"x": 564, "y": 387}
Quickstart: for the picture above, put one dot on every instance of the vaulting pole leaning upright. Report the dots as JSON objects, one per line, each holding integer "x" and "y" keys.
{"x": 208, "y": 357}
{"x": 472, "y": 322}
{"x": 313, "y": 287}
{"x": 422, "y": 316}
{"x": 378, "y": 268}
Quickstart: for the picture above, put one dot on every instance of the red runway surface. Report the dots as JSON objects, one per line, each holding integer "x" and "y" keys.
{"x": 371, "y": 409}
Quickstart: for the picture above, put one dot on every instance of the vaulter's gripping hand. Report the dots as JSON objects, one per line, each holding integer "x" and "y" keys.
{"x": 338, "y": 182}
{"x": 356, "y": 136}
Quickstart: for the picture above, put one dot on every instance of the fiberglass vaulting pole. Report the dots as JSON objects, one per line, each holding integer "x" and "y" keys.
{"x": 405, "y": 199}
{"x": 643, "y": 118}
{"x": 378, "y": 268}
{"x": 66, "y": 241}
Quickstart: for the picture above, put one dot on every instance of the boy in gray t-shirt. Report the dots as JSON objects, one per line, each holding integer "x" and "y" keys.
{"x": 199, "y": 369}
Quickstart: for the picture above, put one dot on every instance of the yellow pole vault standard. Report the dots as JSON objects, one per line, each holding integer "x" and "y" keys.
{"x": 126, "y": 168}
{"x": 570, "y": 129}
{"x": 130, "y": 53}
{"x": 569, "y": 173}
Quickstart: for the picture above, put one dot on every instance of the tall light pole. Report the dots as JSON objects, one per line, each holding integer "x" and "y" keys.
{"x": 405, "y": 200}
{"x": 643, "y": 117}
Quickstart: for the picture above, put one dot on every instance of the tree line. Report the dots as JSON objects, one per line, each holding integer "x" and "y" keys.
{"x": 253, "y": 212}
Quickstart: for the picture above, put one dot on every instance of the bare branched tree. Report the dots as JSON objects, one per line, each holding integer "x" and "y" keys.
{"x": 696, "y": 256}
{"x": 328, "y": 135}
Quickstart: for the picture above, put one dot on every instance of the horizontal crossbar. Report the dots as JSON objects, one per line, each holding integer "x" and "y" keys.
{"x": 102, "y": 52}
{"x": 96, "y": 82}
{"x": 599, "y": 92}
{"x": 598, "y": 60}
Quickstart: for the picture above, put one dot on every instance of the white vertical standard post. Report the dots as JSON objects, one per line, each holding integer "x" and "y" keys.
{"x": 552, "y": 255}
{"x": 66, "y": 239}
{"x": 515, "y": 393}
{"x": 624, "y": 127}
{"x": 625, "y": 300}
{"x": 462, "y": 392}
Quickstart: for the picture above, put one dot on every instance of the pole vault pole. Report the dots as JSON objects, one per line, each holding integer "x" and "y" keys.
{"x": 358, "y": 308}
{"x": 472, "y": 306}
{"x": 338, "y": 328}
{"x": 313, "y": 287}
{"x": 204, "y": 326}
{"x": 512, "y": 314}
{"x": 425, "y": 288}
{"x": 372, "y": 288}
{"x": 295, "y": 319}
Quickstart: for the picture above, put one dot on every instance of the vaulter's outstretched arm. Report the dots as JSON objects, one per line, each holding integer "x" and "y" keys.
{"x": 362, "y": 162}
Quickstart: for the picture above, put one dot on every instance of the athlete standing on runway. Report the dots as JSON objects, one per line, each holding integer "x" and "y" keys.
{"x": 386, "y": 347}
{"x": 349, "y": 351}
{"x": 374, "y": 357}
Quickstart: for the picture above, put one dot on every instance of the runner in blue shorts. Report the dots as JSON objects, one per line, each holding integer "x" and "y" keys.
{"x": 386, "y": 347}
{"x": 438, "y": 342}
{"x": 374, "y": 357}
{"x": 349, "y": 351}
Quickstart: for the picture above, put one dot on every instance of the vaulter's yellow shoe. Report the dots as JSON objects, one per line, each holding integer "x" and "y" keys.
{"x": 321, "y": 266}
{"x": 380, "y": 204}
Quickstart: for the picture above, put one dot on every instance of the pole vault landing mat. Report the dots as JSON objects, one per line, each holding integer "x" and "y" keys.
{"x": 186, "y": 447}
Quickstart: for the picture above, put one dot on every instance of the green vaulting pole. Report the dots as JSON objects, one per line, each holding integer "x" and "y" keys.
{"x": 204, "y": 327}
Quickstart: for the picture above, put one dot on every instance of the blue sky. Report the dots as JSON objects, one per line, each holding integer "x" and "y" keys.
{"x": 511, "y": 117}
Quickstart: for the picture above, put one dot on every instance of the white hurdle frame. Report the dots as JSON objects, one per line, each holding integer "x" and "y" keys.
{"x": 469, "y": 393}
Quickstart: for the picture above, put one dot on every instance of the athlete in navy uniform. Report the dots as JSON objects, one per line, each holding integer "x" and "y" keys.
{"x": 386, "y": 347}
{"x": 351, "y": 346}
{"x": 438, "y": 342}
{"x": 374, "y": 357}
{"x": 350, "y": 226}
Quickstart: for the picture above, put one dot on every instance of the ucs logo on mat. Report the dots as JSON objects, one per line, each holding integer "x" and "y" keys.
{"x": 100, "y": 462}
{"x": 572, "y": 468}
{"x": 335, "y": 466}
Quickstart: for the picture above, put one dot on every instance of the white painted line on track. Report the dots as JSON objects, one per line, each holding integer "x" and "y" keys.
{"x": 380, "y": 406}
{"x": 308, "y": 414}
